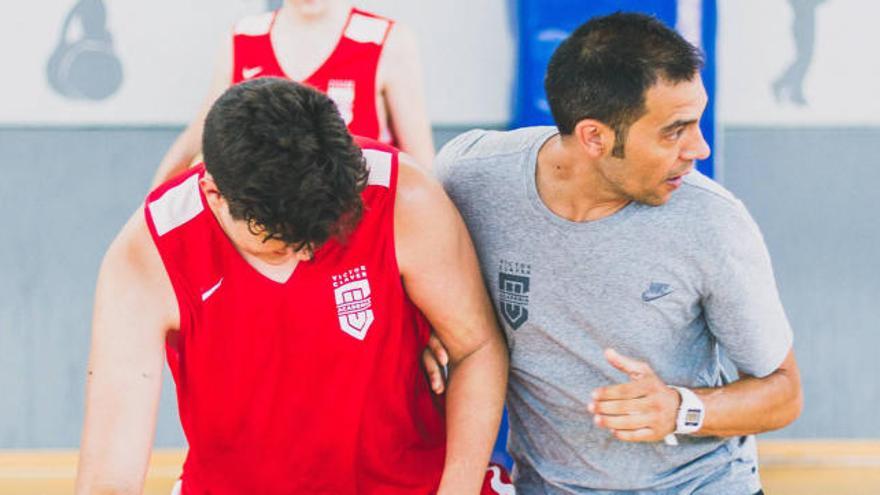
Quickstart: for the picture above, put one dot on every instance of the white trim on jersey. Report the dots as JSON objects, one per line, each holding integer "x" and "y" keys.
{"x": 176, "y": 206}
{"x": 254, "y": 25}
{"x": 366, "y": 29}
{"x": 379, "y": 163}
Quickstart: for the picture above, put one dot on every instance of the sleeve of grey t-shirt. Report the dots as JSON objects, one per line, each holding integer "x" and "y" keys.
{"x": 447, "y": 160}
{"x": 741, "y": 300}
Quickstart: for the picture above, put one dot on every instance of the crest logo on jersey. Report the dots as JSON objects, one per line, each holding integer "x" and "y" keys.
{"x": 513, "y": 292}
{"x": 341, "y": 91}
{"x": 351, "y": 290}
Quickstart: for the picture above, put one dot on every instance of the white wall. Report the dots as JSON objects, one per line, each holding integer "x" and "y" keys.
{"x": 755, "y": 45}
{"x": 168, "y": 48}
{"x": 468, "y": 53}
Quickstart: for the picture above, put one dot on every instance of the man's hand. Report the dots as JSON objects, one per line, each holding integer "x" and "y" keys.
{"x": 435, "y": 358}
{"x": 642, "y": 410}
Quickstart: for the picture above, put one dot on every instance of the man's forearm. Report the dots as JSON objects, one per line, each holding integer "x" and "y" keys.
{"x": 752, "y": 405}
{"x": 474, "y": 402}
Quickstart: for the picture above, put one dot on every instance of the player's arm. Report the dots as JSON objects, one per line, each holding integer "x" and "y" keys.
{"x": 134, "y": 307}
{"x": 645, "y": 408}
{"x": 753, "y": 405}
{"x": 189, "y": 144}
{"x": 442, "y": 277}
{"x": 403, "y": 89}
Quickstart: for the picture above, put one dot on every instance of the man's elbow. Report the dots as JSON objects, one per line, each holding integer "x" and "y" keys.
{"x": 791, "y": 407}
{"x": 796, "y": 404}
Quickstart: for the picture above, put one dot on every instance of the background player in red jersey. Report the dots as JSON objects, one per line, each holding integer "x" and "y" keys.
{"x": 292, "y": 284}
{"x": 367, "y": 64}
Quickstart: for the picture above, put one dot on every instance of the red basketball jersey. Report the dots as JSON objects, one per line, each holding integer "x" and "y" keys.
{"x": 312, "y": 386}
{"x": 347, "y": 76}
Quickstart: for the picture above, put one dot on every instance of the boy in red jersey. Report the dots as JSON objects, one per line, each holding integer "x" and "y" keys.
{"x": 367, "y": 64}
{"x": 292, "y": 284}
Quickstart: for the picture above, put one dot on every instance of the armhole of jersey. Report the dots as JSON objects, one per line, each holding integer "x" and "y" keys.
{"x": 386, "y": 134}
{"x": 391, "y": 24}
{"x": 384, "y": 168}
{"x": 176, "y": 207}
{"x": 177, "y": 285}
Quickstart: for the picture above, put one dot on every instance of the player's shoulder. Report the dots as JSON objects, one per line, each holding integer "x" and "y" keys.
{"x": 475, "y": 152}
{"x": 254, "y": 25}
{"x": 133, "y": 263}
{"x": 133, "y": 254}
{"x": 479, "y": 144}
{"x": 416, "y": 189}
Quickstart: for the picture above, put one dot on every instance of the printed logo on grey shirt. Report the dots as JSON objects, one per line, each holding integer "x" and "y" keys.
{"x": 655, "y": 291}
{"x": 513, "y": 292}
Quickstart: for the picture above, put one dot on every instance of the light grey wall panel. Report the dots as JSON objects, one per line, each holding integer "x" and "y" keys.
{"x": 63, "y": 196}
{"x": 65, "y": 192}
{"x": 815, "y": 195}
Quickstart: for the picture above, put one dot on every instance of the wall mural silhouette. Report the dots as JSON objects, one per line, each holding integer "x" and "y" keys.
{"x": 790, "y": 84}
{"x": 84, "y": 65}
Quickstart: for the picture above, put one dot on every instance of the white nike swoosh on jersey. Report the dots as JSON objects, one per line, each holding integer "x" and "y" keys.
{"x": 210, "y": 292}
{"x": 250, "y": 72}
{"x": 499, "y": 486}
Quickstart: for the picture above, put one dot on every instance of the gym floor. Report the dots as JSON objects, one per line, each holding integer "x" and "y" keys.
{"x": 787, "y": 468}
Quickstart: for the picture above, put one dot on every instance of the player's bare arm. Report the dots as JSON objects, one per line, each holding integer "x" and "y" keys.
{"x": 441, "y": 276}
{"x": 189, "y": 144}
{"x": 645, "y": 408}
{"x": 134, "y": 308}
{"x": 402, "y": 84}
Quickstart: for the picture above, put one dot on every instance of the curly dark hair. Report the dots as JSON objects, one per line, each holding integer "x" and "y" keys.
{"x": 285, "y": 162}
{"x": 603, "y": 70}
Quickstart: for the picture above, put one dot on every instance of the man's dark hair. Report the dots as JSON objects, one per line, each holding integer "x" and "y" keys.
{"x": 603, "y": 70}
{"x": 285, "y": 162}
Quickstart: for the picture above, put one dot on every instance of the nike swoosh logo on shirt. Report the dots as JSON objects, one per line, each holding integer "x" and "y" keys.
{"x": 210, "y": 292}
{"x": 655, "y": 291}
{"x": 251, "y": 72}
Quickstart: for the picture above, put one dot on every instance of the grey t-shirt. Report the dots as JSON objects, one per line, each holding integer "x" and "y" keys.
{"x": 668, "y": 285}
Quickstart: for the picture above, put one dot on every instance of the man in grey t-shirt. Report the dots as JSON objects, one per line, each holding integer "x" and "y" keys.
{"x": 619, "y": 273}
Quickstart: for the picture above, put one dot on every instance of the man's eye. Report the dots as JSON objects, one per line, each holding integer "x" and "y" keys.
{"x": 676, "y": 133}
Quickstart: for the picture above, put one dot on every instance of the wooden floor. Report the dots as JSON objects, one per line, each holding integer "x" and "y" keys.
{"x": 787, "y": 468}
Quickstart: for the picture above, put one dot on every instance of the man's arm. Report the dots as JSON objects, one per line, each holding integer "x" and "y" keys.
{"x": 744, "y": 313}
{"x": 189, "y": 144}
{"x": 442, "y": 277}
{"x": 645, "y": 409}
{"x": 403, "y": 89}
{"x": 134, "y": 307}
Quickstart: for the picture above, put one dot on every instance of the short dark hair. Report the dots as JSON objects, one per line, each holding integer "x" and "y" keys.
{"x": 603, "y": 70}
{"x": 285, "y": 162}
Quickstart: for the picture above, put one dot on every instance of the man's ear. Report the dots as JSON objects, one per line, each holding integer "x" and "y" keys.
{"x": 212, "y": 193}
{"x": 595, "y": 137}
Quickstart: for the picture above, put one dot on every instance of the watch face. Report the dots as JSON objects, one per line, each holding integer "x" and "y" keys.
{"x": 692, "y": 418}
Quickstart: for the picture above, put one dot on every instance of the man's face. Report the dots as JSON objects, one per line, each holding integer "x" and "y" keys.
{"x": 251, "y": 243}
{"x": 311, "y": 8}
{"x": 661, "y": 146}
{"x": 254, "y": 244}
